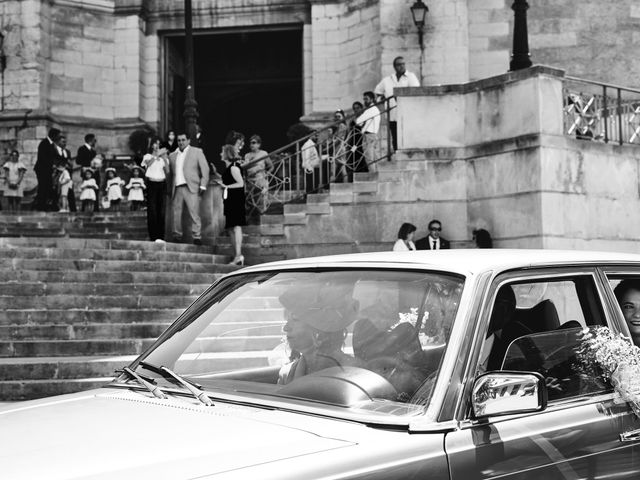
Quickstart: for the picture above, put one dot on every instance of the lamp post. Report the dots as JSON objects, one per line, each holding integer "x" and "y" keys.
{"x": 520, "y": 57}
{"x": 3, "y": 67}
{"x": 419, "y": 12}
{"x": 190, "y": 104}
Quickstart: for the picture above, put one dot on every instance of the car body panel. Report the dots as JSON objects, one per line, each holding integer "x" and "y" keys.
{"x": 114, "y": 433}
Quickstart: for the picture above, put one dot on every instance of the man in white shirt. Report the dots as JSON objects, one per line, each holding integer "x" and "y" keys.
{"x": 189, "y": 172}
{"x": 369, "y": 123}
{"x": 384, "y": 91}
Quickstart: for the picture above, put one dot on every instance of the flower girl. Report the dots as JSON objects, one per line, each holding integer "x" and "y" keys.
{"x": 88, "y": 188}
{"x": 136, "y": 188}
{"x": 114, "y": 188}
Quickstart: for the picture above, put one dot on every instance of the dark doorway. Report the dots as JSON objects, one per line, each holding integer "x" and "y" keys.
{"x": 249, "y": 81}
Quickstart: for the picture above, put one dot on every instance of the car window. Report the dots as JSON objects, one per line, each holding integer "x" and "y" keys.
{"x": 538, "y": 326}
{"x": 626, "y": 289}
{"x": 365, "y": 339}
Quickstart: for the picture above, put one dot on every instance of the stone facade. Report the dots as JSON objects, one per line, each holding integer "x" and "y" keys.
{"x": 100, "y": 65}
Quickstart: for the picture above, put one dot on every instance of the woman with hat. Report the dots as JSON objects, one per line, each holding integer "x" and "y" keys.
{"x": 316, "y": 328}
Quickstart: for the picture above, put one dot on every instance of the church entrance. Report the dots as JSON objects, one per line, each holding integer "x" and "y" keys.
{"x": 247, "y": 80}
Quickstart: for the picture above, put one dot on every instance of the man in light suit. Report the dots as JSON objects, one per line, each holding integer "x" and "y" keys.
{"x": 433, "y": 241}
{"x": 189, "y": 176}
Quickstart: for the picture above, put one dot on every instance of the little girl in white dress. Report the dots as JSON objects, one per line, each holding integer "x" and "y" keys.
{"x": 114, "y": 188}
{"x": 88, "y": 188}
{"x": 136, "y": 188}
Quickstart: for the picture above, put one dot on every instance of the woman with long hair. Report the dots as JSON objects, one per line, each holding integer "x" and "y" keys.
{"x": 234, "y": 207}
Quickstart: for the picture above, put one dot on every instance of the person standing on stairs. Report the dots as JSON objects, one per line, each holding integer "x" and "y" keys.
{"x": 156, "y": 165}
{"x": 44, "y": 166}
{"x": 189, "y": 173}
{"x": 234, "y": 201}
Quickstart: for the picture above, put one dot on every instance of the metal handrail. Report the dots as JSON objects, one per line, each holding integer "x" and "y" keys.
{"x": 608, "y": 113}
{"x": 339, "y": 153}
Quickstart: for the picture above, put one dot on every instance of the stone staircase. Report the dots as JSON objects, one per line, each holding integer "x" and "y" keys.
{"x": 322, "y": 225}
{"x": 73, "y": 310}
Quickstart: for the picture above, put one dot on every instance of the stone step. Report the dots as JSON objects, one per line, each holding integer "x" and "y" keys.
{"x": 71, "y": 316}
{"x": 86, "y": 276}
{"x": 82, "y": 331}
{"x": 53, "y": 348}
{"x": 103, "y": 244}
{"x": 130, "y": 346}
{"x": 19, "y": 232}
{"x": 19, "y": 390}
{"x": 95, "y": 301}
{"x": 30, "y": 215}
{"x": 105, "y": 254}
{"x": 113, "y": 265}
{"x": 19, "y": 289}
{"x": 111, "y": 330}
{"x": 57, "y": 368}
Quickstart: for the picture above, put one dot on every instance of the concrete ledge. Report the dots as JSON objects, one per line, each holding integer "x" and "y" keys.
{"x": 477, "y": 85}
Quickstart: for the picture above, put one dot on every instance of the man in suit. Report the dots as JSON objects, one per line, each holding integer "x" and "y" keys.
{"x": 47, "y": 154}
{"x": 87, "y": 152}
{"x": 189, "y": 176}
{"x": 433, "y": 241}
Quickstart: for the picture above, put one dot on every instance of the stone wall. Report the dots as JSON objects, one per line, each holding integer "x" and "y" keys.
{"x": 501, "y": 162}
{"x": 345, "y": 48}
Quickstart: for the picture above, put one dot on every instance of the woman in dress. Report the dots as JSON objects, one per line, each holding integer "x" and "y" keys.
{"x": 405, "y": 238}
{"x": 257, "y": 164}
{"x": 234, "y": 210}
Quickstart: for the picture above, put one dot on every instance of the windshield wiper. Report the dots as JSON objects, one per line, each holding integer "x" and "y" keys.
{"x": 154, "y": 389}
{"x": 195, "y": 389}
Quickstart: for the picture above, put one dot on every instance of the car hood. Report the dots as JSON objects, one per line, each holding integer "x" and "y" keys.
{"x": 112, "y": 433}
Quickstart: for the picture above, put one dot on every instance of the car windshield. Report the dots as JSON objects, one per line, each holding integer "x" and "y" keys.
{"x": 369, "y": 340}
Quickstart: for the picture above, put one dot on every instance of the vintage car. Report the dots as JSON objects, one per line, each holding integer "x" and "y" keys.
{"x": 461, "y": 364}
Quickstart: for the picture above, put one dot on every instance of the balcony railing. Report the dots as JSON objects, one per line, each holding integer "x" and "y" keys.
{"x": 601, "y": 112}
{"x": 309, "y": 164}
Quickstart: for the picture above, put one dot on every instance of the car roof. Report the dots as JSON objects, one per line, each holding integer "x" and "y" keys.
{"x": 463, "y": 261}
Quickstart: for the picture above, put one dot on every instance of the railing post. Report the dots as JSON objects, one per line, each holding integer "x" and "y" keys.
{"x": 387, "y": 105}
{"x": 620, "y": 140}
{"x": 606, "y": 114}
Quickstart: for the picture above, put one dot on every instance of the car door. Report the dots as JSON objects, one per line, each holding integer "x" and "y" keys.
{"x": 578, "y": 434}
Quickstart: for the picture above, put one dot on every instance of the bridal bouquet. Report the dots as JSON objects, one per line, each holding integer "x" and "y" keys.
{"x": 617, "y": 361}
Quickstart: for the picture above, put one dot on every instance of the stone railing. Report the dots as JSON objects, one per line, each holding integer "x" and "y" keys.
{"x": 601, "y": 111}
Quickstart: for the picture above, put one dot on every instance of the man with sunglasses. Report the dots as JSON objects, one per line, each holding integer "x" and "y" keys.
{"x": 433, "y": 241}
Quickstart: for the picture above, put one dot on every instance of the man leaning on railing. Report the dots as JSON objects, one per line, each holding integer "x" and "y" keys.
{"x": 369, "y": 122}
{"x": 384, "y": 91}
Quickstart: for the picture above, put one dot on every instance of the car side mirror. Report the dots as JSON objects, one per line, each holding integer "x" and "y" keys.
{"x": 507, "y": 393}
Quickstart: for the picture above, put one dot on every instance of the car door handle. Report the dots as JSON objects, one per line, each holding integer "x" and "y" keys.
{"x": 630, "y": 436}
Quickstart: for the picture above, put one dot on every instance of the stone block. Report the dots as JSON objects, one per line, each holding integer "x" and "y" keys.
{"x": 98, "y": 111}
{"x": 318, "y": 209}
{"x": 67, "y": 57}
{"x": 98, "y": 59}
{"x": 553, "y": 40}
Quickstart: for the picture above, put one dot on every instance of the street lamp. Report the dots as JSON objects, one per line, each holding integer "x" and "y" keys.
{"x": 3, "y": 67}
{"x": 520, "y": 58}
{"x": 419, "y": 12}
{"x": 3, "y": 57}
{"x": 190, "y": 104}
